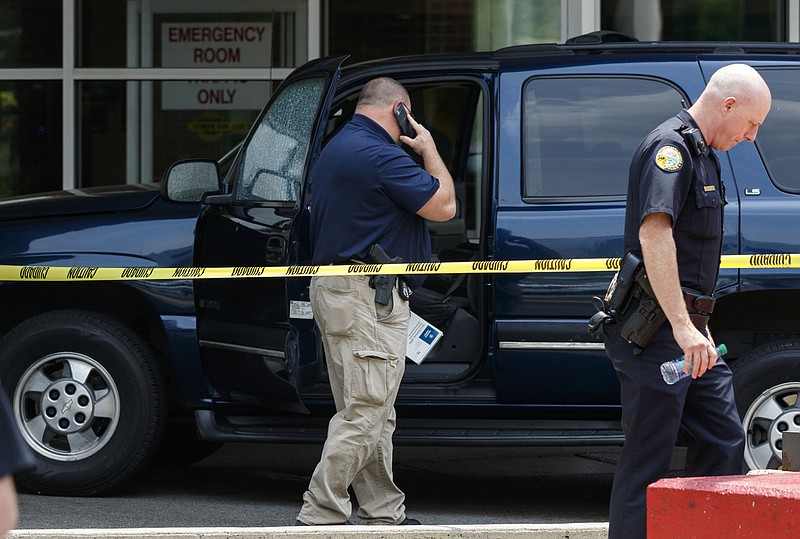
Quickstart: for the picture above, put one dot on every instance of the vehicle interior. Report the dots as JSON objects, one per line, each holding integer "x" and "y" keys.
{"x": 453, "y": 111}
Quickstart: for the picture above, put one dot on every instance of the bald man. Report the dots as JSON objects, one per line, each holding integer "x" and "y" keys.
{"x": 673, "y": 222}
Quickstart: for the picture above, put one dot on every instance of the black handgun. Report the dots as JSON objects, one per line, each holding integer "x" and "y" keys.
{"x": 382, "y": 284}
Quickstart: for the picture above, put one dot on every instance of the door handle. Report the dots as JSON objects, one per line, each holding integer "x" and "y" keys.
{"x": 276, "y": 248}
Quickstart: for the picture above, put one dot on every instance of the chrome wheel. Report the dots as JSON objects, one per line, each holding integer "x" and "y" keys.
{"x": 88, "y": 398}
{"x": 773, "y": 413}
{"x": 67, "y": 406}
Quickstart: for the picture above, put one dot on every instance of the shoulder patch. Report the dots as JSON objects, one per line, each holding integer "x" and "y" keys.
{"x": 669, "y": 158}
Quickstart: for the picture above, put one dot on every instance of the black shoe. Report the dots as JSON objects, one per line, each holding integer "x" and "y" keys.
{"x": 410, "y": 522}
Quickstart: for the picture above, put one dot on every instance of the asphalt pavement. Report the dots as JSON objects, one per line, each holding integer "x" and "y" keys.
{"x": 252, "y": 490}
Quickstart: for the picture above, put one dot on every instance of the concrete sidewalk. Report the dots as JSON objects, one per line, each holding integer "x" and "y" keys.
{"x": 594, "y": 530}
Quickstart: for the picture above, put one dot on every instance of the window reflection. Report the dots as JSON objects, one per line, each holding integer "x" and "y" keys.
{"x": 580, "y": 133}
{"x": 777, "y": 138}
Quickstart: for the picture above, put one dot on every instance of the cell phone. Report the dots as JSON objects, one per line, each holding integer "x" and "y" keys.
{"x": 401, "y": 115}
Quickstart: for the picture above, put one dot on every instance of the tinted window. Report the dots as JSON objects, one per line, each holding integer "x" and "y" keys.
{"x": 777, "y": 138}
{"x": 275, "y": 157}
{"x": 580, "y": 133}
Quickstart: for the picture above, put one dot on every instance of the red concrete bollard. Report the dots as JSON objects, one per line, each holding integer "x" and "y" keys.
{"x": 760, "y": 505}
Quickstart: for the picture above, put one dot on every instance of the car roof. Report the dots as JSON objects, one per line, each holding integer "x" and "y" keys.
{"x": 594, "y": 43}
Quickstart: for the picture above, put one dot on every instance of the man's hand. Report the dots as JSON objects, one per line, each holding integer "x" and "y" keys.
{"x": 423, "y": 144}
{"x": 698, "y": 351}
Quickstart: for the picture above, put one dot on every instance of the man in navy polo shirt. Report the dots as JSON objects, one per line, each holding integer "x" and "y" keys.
{"x": 367, "y": 190}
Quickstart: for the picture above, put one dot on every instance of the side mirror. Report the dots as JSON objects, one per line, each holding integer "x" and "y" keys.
{"x": 189, "y": 181}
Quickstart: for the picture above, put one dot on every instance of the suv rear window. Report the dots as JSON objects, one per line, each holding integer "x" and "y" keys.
{"x": 580, "y": 133}
{"x": 777, "y": 138}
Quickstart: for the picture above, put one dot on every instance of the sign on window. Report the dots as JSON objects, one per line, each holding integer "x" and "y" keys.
{"x": 203, "y": 45}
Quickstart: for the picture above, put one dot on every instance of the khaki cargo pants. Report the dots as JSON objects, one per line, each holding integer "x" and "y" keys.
{"x": 365, "y": 347}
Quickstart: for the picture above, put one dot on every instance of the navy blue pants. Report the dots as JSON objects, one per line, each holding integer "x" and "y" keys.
{"x": 652, "y": 413}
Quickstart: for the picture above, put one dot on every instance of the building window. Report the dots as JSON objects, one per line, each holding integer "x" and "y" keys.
{"x": 30, "y": 33}
{"x": 365, "y": 29}
{"x": 30, "y": 137}
{"x": 30, "y": 110}
{"x": 694, "y": 20}
{"x": 132, "y": 126}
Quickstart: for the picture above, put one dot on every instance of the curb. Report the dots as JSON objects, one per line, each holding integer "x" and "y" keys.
{"x": 762, "y": 504}
{"x": 592, "y": 530}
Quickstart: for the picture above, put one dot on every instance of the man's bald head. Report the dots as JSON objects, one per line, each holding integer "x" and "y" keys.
{"x": 382, "y": 92}
{"x": 732, "y": 107}
{"x": 740, "y": 81}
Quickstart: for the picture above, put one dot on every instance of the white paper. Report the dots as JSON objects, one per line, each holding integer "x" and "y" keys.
{"x": 422, "y": 336}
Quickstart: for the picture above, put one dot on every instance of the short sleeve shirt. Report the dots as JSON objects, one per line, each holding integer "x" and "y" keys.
{"x": 666, "y": 177}
{"x": 366, "y": 189}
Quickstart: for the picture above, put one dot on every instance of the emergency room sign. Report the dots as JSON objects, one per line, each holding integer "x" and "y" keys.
{"x": 204, "y": 45}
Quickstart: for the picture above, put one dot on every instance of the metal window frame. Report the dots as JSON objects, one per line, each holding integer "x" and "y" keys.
{"x": 578, "y": 17}
{"x": 70, "y": 76}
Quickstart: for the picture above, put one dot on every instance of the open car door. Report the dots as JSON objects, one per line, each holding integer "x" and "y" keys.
{"x": 250, "y": 352}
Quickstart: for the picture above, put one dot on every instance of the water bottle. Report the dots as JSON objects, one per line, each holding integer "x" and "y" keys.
{"x": 672, "y": 371}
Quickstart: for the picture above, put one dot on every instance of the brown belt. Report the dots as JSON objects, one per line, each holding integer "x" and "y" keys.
{"x": 699, "y": 306}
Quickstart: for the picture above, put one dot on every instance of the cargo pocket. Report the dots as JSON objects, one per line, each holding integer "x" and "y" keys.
{"x": 336, "y": 310}
{"x": 374, "y": 377}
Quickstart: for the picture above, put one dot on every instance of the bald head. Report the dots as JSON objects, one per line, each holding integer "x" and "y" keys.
{"x": 732, "y": 107}
{"x": 740, "y": 81}
{"x": 382, "y": 92}
{"x": 377, "y": 101}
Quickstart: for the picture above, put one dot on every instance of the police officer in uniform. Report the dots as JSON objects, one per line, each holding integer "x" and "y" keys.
{"x": 673, "y": 222}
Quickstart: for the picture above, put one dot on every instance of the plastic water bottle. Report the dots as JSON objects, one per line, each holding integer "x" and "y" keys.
{"x": 672, "y": 371}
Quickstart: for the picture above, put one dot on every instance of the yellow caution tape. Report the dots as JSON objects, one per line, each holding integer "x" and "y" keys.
{"x": 82, "y": 273}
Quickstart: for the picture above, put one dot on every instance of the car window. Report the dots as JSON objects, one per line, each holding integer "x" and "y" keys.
{"x": 274, "y": 159}
{"x": 580, "y": 133}
{"x": 777, "y": 138}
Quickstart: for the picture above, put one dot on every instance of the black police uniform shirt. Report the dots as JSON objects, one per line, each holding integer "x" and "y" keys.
{"x": 15, "y": 456}
{"x": 366, "y": 189}
{"x": 667, "y": 177}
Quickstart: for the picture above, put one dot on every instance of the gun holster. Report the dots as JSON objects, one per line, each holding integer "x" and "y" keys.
{"x": 619, "y": 294}
{"x": 630, "y": 304}
{"x": 383, "y": 284}
{"x": 645, "y": 317}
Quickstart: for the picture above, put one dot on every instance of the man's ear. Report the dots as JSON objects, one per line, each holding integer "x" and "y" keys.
{"x": 729, "y": 104}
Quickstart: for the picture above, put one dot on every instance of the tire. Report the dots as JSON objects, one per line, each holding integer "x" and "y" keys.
{"x": 88, "y": 399}
{"x": 767, "y": 386}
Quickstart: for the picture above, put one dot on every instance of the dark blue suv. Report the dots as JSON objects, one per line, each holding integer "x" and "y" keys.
{"x": 105, "y": 376}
